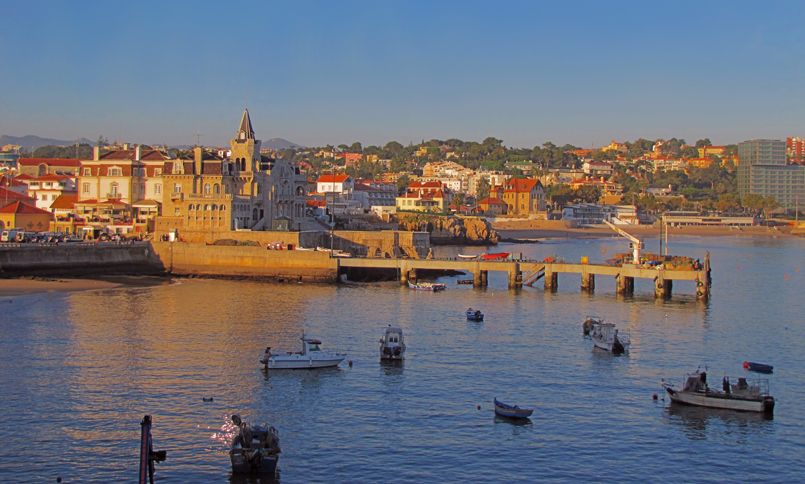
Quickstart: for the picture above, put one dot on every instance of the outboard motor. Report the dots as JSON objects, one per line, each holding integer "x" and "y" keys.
{"x": 617, "y": 347}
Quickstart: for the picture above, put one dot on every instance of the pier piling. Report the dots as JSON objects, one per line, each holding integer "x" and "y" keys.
{"x": 587, "y": 282}
{"x": 551, "y": 281}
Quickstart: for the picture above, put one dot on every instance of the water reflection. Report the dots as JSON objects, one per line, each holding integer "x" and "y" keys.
{"x": 698, "y": 423}
{"x": 517, "y": 422}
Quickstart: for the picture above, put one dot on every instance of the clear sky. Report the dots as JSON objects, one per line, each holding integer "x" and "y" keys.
{"x": 579, "y": 72}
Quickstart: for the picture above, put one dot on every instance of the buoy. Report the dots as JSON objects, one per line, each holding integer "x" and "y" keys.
{"x": 746, "y": 365}
{"x": 350, "y": 363}
{"x": 478, "y": 407}
{"x": 654, "y": 396}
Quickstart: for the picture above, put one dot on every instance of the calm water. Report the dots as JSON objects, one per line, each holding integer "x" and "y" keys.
{"x": 78, "y": 371}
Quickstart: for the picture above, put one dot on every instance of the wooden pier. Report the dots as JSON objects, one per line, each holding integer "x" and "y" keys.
{"x": 528, "y": 272}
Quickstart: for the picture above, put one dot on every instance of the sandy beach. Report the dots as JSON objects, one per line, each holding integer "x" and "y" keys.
{"x": 30, "y": 285}
{"x": 533, "y": 229}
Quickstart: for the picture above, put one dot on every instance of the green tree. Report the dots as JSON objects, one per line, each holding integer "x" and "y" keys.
{"x": 356, "y": 147}
{"x": 703, "y": 142}
{"x": 483, "y": 188}
{"x": 402, "y": 184}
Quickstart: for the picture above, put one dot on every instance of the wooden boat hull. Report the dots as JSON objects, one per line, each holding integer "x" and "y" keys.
{"x": 509, "y": 411}
{"x": 700, "y": 399}
{"x": 467, "y": 257}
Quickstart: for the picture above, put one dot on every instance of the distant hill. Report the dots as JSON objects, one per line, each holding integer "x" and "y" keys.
{"x": 280, "y": 144}
{"x": 32, "y": 142}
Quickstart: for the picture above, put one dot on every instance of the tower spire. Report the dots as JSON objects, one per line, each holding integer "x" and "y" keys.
{"x": 245, "y": 131}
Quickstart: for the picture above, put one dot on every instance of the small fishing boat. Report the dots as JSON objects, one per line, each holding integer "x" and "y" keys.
{"x": 474, "y": 315}
{"x": 745, "y": 396}
{"x": 588, "y": 324}
{"x": 311, "y": 356}
{"x": 606, "y": 337}
{"x": 464, "y": 281}
{"x": 254, "y": 450}
{"x": 468, "y": 256}
{"x": 511, "y": 411}
{"x": 758, "y": 367}
{"x": 392, "y": 344}
{"x": 495, "y": 256}
{"x": 427, "y": 286}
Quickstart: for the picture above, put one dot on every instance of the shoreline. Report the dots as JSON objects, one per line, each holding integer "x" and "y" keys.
{"x": 535, "y": 230}
{"x": 25, "y": 285}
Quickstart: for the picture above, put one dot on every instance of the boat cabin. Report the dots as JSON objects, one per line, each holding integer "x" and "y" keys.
{"x": 310, "y": 345}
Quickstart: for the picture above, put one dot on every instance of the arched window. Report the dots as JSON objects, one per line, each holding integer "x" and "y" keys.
{"x": 254, "y": 215}
{"x": 114, "y": 189}
{"x": 216, "y": 189}
{"x": 207, "y": 190}
{"x": 206, "y": 208}
{"x": 223, "y": 207}
{"x": 43, "y": 169}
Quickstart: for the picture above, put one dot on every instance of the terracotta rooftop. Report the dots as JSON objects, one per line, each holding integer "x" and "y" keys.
{"x": 332, "y": 178}
{"x": 49, "y": 161}
{"x": 19, "y": 207}
{"x": 65, "y": 201}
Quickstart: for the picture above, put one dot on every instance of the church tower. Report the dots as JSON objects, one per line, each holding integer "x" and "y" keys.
{"x": 245, "y": 148}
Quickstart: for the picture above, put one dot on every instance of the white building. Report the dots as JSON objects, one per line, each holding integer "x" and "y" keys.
{"x": 46, "y": 189}
{"x": 340, "y": 184}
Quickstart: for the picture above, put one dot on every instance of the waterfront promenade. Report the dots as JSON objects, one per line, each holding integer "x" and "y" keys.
{"x": 185, "y": 259}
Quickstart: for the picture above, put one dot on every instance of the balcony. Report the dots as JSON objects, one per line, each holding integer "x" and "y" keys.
{"x": 177, "y": 196}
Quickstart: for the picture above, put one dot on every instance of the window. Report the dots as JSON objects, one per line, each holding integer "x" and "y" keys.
{"x": 87, "y": 171}
{"x": 177, "y": 188}
{"x": 206, "y": 189}
{"x": 157, "y": 171}
{"x": 158, "y": 188}
{"x": 114, "y": 171}
{"x": 115, "y": 188}
{"x": 85, "y": 187}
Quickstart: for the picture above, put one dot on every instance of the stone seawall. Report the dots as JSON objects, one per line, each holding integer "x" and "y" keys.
{"x": 245, "y": 261}
{"x": 78, "y": 259}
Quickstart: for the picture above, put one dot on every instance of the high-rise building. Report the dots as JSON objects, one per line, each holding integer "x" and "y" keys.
{"x": 762, "y": 170}
{"x": 795, "y": 150}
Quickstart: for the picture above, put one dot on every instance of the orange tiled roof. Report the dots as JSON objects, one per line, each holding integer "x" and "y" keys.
{"x": 341, "y": 178}
{"x": 49, "y": 161}
{"x": 521, "y": 185}
{"x": 19, "y": 207}
{"x": 65, "y": 201}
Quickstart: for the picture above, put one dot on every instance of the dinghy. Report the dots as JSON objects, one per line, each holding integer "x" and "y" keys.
{"x": 511, "y": 411}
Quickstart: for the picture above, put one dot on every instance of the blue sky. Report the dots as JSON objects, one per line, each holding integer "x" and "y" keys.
{"x": 373, "y": 71}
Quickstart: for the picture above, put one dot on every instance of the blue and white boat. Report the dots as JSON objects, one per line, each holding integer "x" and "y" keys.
{"x": 474, "y": 315}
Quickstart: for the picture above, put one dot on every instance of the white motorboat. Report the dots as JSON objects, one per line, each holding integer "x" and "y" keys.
{"x": 468, "y": 256}
{"x": 311, "y": 356}
{"x": 606, "y": 337}
{"x": 427, "y": 286}
{"x": 392, "y": 344}
{"x": 746, "y": 395}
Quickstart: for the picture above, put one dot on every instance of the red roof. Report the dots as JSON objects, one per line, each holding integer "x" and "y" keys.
{"x": 428, "y": 184}
{"x": 52, "y": 177}
{"x": 13, "y": 182}
{"x": 19, "y": 207}
{"x": 49, "y": 161}
{"x": 521, "y": 185}
{"x": 315, "y": 203}
{"x": 65, "y": 201}
{"x": 340, "y": 178}
{"x": 130, "y": 154}
{"x": 11, "y": 195}
{"x": 491, "y": 201}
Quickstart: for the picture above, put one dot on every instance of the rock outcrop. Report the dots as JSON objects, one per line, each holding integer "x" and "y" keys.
{"x": 450, "y": 230}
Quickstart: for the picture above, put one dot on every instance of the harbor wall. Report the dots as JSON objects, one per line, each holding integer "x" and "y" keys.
{"x": 79, "y": 259}
{"x": 187, "y": 259}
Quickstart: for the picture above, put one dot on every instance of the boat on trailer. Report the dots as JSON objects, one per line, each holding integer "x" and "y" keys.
{"x": 495, "y": 256}
{"x": 311, "y": 356}
{"x": 511, "y": 411}
{"x": 474, "y": 315}
{"x": 747, "y": 395}
{"x": 427, "y": 286}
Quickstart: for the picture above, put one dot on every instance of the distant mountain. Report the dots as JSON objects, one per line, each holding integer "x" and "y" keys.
{"x": 32, "y": 142}
{"x": 280, "y": 144}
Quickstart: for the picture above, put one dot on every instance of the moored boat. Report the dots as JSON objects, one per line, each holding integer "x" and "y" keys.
{"x": 254, "y": 450}
{"x": 392, "y": 344}
{"x": 495, "y": 256}
{"x": 311, "y": 356}
{"x": 427, "y": 286}
{"x": 588, "y": 324}
{"x": 758, "y": 367}
{"x": 745, "y": 395}
{"x": 511, "y": 411}
{"x": 468, "y": 256}
{"x": 605, "y": 336}
{"x": 474, "y": 315}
